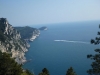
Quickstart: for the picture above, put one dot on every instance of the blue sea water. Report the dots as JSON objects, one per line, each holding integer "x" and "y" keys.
{"x": 63, "y": 46}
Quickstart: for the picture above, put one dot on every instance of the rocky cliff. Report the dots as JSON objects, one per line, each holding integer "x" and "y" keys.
{"x": 11, "y": 42}
{"x": 28, "y": 33}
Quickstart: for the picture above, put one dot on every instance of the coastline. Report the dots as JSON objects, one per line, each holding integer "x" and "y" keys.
{"x": 34, "y": 36}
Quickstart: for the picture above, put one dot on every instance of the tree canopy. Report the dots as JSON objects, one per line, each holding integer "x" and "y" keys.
{"x": 8, "y": 66}
{"x": 95, "y": 70}
{"x": 70, "y": 71}
{"x": 44, "y": 72}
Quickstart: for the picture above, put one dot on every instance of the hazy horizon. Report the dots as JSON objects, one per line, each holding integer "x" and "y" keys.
{"x": 50, "y": 24}
{"x": 32, "y": 12}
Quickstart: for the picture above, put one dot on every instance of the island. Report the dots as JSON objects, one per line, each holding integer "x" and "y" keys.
{"x": 43, "y": 28}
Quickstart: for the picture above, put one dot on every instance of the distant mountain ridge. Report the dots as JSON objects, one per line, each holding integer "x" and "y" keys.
{"x": 28, "y": 33}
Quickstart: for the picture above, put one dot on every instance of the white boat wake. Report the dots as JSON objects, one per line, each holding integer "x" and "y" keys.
{"x": 71, "y": 41}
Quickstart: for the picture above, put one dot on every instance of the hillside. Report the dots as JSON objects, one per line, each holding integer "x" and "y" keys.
{"x": 28, "y": 33}
{"x": 11, "y": 42}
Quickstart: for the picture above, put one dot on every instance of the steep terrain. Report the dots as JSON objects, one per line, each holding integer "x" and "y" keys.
{"x": 11, "y": 42}
{"x": 28, "y": 33}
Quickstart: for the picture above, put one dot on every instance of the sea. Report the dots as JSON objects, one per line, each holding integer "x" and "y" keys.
{"x": 62, "y": 46}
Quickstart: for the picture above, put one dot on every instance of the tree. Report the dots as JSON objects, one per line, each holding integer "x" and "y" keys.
{"x": 27, "y": 72}
{"x": 96, "y": 58}
{"x": 8, "y": 66}
{"x": 70, "y": 71}
{"x": 44, "y": 72}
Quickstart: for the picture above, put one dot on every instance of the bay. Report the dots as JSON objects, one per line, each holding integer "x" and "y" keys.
{"x": 63, "y": 46}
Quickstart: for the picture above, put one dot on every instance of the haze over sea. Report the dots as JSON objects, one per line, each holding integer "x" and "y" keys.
{"x": 62, "y": 46}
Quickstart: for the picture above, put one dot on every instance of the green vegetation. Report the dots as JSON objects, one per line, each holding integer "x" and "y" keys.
{"x": 44, "y": 72}
{"x": 70, "y": 71}
{"x": 17, "y": 46}
{"x": 2, "y": 37}
{"x": 96, "y": 58}
{"x": 8, "y": 66}
{"x": 2, "y": 27}
{"x": 26, "y": 32}
{"x": 27, "y": 72}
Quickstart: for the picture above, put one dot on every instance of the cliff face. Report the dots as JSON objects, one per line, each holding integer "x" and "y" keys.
{"x": 11, "y": 42}
{"x": 28, "y": 33}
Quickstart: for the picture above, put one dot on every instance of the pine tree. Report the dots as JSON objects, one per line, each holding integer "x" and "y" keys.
{"x": 70, "y": 71}
{"x": 95, "y": 70}
{"x": 44, "y": 72}
{"x": 8, "y": 66}
{"x": 29, "y": 73}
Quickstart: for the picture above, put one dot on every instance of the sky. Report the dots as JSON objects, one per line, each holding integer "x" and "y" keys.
{"x": 34, "y": 12}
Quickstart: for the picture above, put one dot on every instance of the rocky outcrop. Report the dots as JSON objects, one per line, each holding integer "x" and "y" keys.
{"x": 34, "y": 35}
{"x": 11, "y": 42}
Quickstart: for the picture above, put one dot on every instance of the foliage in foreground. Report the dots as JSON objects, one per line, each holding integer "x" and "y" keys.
{"x": 96, "y": 58}
{"x": 8, "y": 66}
{"x": 26, "y": 72}
{"x": 70, "y": 71}
{"x": 44, "y": 72}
